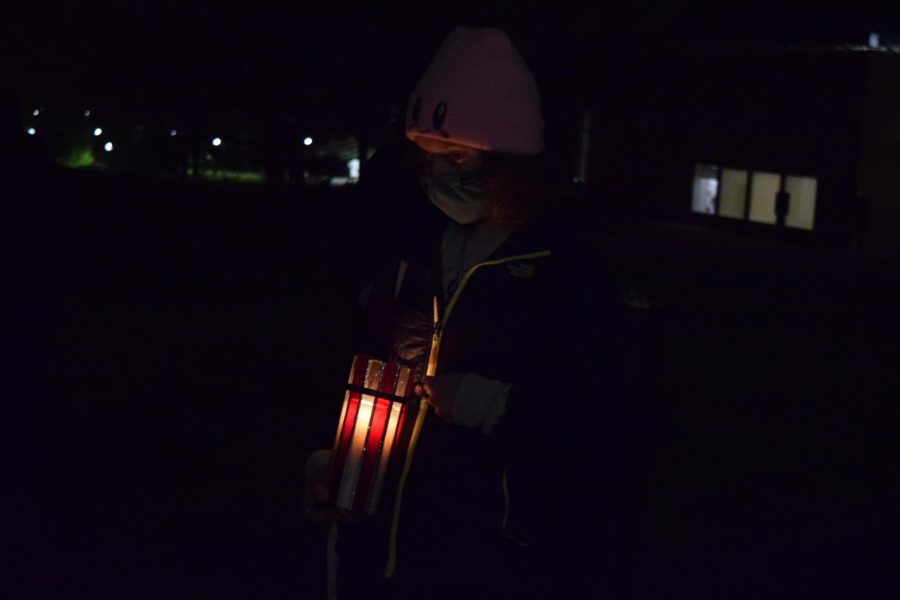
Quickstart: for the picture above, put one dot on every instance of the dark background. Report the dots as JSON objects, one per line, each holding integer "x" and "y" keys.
{"x": 175, "y": 349}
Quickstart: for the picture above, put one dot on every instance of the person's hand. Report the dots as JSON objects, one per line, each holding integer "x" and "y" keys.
{"x": 466, "y": 399}
{"x": 440, "y": 392}
{"x": 316, "y": 496}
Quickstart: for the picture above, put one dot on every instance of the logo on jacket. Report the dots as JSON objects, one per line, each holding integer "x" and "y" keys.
{"x": 521, "y": 269}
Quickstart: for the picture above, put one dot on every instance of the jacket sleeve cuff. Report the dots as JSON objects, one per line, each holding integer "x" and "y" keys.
{"x": 480, "y": 402}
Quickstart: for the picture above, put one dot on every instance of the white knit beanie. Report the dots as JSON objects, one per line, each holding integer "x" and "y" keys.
{"x": 478, "y": 92}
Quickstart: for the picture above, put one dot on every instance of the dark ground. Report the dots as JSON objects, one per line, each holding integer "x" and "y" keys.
{"x": 174, "y": 351}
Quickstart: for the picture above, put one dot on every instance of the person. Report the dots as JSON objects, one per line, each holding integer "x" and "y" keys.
{"x": 519, "y": 482}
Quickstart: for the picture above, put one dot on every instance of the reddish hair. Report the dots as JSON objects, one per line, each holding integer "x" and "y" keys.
{"x": 519, "y": 187}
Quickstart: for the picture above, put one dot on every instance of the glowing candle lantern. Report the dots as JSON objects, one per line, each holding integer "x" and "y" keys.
{"x": 368, "y": 432}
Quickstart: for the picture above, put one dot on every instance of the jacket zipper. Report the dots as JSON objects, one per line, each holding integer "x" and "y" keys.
{"x": 430, "y": 370}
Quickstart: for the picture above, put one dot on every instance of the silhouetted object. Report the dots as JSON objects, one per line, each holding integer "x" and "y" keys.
{"x": 389, "y": 199}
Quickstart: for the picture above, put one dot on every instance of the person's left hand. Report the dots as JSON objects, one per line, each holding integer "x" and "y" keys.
{"x": 440, "y": 391}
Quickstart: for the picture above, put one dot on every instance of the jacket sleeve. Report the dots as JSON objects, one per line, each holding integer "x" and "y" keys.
{"x": 569, "y": 428}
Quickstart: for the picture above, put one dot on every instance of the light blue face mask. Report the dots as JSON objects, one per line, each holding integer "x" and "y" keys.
{"x": 460, "y": 196}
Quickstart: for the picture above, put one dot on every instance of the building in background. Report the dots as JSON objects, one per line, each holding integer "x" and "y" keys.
{"x": 787, "y": 143}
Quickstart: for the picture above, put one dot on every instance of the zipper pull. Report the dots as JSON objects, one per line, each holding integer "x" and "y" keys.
{"x": 435, "y": 343}
{"x": 437, "y": 320}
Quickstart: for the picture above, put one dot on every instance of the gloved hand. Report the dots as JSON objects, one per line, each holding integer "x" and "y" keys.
{"x": 441, "y": 393}
{"x": 316, "y": 494}
{"x": 466, "y": 399}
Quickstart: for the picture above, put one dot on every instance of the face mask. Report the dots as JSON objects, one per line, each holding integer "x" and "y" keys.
{"x": 460, "y": 196}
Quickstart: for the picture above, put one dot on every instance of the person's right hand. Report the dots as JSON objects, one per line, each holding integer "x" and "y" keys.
{"x": 316, "y": 497}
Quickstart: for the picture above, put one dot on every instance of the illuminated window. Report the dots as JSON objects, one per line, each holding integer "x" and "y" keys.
{"x": 734, "y": 194}
{"x": 353, "y": 168}
{"x": 755, "y": 196}
{"x": 706, "y": 188}
{"x": 803, "y": 201}
{"x": 763, "y": 191}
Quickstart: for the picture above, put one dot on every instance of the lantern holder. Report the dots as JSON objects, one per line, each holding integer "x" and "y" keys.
{"x": 380, "y": 395}
{"x": 376, "y": 398}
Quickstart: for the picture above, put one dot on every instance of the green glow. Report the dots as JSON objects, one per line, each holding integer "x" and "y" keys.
{"x": 78, "y": 158}
{"x": 238, "y": 176}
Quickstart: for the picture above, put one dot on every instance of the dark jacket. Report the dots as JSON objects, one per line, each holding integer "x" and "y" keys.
{"x": 523, "y": 509}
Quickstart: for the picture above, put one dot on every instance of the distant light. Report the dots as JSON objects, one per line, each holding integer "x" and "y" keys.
{"x": 31, "y": 131}
{"x": 217, "y": 141}
{"x": 307, "y": 141}
{"x": 173, "y": 133}
{"x": 874, "y": 40}
{"x": 36, "y": 112}
{"x": 98, "y": 131}
{"x": 353, "y": 167}
{"x": 87, "y": 113}
{"x": 108, "y": 146}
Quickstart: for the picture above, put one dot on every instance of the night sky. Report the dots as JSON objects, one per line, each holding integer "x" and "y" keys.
{"x": 174, "y": 56}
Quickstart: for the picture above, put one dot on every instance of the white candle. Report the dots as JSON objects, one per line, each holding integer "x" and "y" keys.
{"x": 355, "y": 453}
